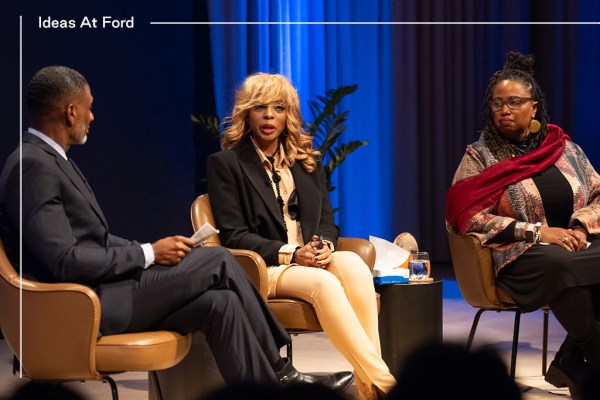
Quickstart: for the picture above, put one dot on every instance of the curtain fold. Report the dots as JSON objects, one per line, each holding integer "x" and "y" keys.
{"x": 445, "y": 70}
{"x": 420, "y": 88}
{"x": 317, "y": 58}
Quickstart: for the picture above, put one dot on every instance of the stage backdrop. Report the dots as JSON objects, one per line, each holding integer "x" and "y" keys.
{"x": 418, "y": 101}
{"x": 316, "y": 58}
{"x": 140, "y": 154}
{"x": 420, "y": 88}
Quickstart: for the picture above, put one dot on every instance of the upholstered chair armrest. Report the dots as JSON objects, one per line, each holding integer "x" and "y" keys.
{"x": 255, "y": 267}
{"x": 362, "y": 247}
{"x": 60, "y": 329}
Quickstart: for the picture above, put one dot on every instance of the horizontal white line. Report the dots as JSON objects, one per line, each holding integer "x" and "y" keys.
{"x": 372, "y": 23}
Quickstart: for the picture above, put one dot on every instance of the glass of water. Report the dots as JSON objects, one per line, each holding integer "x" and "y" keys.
{"x": 419, "y": 266}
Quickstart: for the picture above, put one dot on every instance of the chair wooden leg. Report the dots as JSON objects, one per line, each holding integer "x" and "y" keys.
{"x": 545, "y": 344}
{"x": 113, "y": 387}
{"x": 289, "y": 351}
{"x": 515, "y": 344}
{"x": 474, "y": 328}
{"x": 154, "y": 385}
{"x": 16, "y": 367}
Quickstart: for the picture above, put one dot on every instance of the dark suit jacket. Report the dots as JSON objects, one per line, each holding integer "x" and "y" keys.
{"x": 246, "y": 211}
{"x": 65, "y": 234}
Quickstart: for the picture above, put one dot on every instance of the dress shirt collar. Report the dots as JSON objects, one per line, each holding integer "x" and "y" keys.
{"x": 263, "y": 156}
{"x": 49, "y": 141}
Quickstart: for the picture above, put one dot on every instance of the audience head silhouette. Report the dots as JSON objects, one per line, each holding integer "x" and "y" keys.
{"x": 449, "y": 372}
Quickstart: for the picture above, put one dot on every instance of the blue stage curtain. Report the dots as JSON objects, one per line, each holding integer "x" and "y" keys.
{"x": 420, "y": 88}
{"x": 317, "y": 58}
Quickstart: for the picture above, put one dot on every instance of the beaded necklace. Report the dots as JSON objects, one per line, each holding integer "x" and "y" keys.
{"x": 276, "y": 179}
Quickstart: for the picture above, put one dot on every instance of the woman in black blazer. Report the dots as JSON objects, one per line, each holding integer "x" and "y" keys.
{"x": 268, "y": 194}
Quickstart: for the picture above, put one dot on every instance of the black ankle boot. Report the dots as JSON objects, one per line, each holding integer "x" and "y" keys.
{"x": 567, "y": 368}
{"x": 577, "y": 365}
{"x": 566, "y": 364}
{"x": 590, "y": 349}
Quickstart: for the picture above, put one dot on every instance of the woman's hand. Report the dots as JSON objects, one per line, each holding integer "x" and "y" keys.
{"x": 581, "y": 234}
{"x": 569, "y": 239}
{"x": 315, "y": 254}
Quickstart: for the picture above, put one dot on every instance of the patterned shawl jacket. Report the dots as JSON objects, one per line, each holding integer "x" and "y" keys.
{"x": 522, "y": 202}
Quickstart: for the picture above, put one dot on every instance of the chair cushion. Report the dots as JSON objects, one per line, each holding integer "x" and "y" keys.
{"x": 144, "y": 351}
{"x": 295, "y": 315}
{"x": 505, "y": 297}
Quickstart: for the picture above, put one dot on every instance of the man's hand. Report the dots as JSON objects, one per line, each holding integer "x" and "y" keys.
{"x": 171, "y": 250}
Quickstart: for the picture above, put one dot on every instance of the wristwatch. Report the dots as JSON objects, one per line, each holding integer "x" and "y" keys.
{"x": 532, "y": 232}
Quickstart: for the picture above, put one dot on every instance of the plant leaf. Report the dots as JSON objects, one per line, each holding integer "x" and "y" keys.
{"x": 337, "y": 155}
{"x": 208, "y": 123}
{"x": 323, "y": 110}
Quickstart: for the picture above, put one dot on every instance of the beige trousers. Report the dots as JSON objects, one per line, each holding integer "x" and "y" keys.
{"x": 344, "y": 299}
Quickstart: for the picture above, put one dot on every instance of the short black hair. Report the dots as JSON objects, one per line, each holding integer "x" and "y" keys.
{"x": 50, "y": 84}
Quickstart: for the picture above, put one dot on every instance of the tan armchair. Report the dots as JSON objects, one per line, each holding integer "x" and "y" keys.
{"x": 59, "y": 337}
{"x": 476, "y": 280}
{"x": 296, "y": 316}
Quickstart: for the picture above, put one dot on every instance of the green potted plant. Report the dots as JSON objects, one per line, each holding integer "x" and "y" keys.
{"x": 326, "y": 128}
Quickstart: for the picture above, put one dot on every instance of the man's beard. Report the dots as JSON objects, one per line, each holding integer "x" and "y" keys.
{"x": 81, "y": 135}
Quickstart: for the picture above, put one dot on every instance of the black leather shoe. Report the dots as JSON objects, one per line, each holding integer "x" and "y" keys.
{"x": 337, "y": 381}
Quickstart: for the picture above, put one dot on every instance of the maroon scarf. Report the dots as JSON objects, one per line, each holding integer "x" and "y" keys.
{"x": 471, "y": 195}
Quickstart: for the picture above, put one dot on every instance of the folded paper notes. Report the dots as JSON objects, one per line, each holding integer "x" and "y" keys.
{"x": 205, "y": 231}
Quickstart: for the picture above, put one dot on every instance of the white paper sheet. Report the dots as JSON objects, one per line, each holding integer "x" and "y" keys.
{"x": 390, "y": 259}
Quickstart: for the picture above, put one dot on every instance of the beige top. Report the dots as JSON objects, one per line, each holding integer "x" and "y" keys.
{"x": 294, "y": 230}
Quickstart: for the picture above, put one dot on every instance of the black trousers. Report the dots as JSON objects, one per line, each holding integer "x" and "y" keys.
{"x": 210, "y": 292}
{"x": 567, "y": 281}
{"x": 542, "y": 272}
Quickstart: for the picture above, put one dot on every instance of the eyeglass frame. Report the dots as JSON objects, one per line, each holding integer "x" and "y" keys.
{"x": 505, "y": 102}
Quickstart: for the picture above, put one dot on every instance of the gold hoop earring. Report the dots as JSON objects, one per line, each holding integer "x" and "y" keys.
{"x": 534, "y": 126}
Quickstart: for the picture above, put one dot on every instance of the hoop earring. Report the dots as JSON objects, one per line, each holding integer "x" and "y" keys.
{"x": 534, "y": 126}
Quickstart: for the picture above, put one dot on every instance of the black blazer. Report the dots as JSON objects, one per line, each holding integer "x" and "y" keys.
{"x": 246, "y": 210}
{"x": 65, "y": 234}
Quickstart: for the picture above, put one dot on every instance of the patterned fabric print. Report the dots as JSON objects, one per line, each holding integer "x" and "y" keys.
{"x": 587, "y": 194}
{"x": 522, "y": 202}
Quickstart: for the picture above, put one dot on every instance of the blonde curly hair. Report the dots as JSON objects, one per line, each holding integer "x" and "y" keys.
{"x": 263, "y": 88}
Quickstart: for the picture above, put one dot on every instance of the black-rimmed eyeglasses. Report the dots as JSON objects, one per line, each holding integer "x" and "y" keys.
{"x": 513, "y": 102}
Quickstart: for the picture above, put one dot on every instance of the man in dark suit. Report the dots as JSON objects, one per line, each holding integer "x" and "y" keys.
{"x": 164, "y": 285}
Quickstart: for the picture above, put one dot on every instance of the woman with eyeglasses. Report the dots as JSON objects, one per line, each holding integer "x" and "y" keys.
{"x": 528, "y": 192}
{"x": 268, "y": 194}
